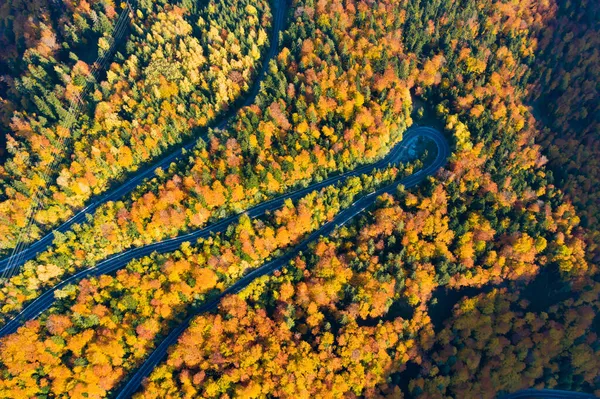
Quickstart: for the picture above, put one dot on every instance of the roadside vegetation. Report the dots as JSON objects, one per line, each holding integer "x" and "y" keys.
{"x": 358, "y": 313}
{"x": 178, "y": 69}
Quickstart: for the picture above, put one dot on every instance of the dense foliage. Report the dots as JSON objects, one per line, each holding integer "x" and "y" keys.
{"x": 104, "y": 327}
{"x": 567, "y": 100}
{"x": 482, "y": 280}
{"x": 319, "y": 111}
{"x": 330, "y": 323}
{"x": 495, "y": 343}
{"x": 352, "y": 314}
{"x": 179, "y": 69}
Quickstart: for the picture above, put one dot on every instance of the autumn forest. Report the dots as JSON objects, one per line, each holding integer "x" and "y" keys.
{"x": 299, "y": 198}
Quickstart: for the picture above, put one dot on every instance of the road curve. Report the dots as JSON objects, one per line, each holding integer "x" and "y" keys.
{"x": 118, "y": 261}
{"x": 132, "y": 385}
{"x": 547, "y": 394}
{"x": 280, "y": 8}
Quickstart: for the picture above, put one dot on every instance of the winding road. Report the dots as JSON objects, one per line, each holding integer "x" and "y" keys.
{"x": 443, "y": 151}
{"x": 280, "y": 8}
{"x": 547, "y": 394}
{"x": 118, "y": 261}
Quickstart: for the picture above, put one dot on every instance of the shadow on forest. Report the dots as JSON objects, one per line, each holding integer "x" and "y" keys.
{"x": 546, "y": 290}
{"x": 424, "y": 115}
{"x": 443, "y": 302}
{"x": 400, "y": 308}
{"x": 401, "y": 379}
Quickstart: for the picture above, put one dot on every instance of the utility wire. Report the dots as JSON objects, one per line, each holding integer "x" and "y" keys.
{"x": 75, "y": 107}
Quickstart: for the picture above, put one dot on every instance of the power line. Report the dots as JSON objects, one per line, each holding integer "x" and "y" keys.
{"x": 75, "y": 107}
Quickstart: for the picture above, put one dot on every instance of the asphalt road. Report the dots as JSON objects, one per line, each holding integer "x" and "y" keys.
{"x": 547, "y": 394}
{"x": 118, "y": 261}
{"x": 129, "y": 185}
{"x": 443, "y": 151}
